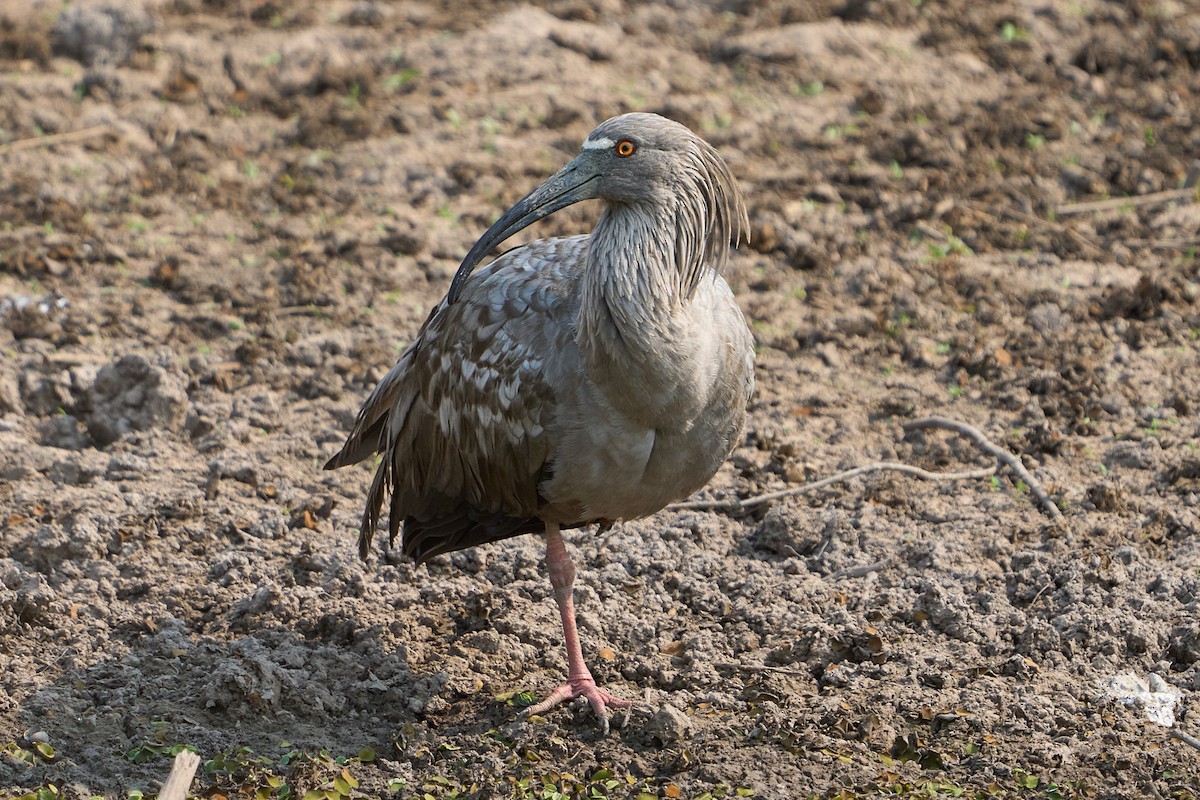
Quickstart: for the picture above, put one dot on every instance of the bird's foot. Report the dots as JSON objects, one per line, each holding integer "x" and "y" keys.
{"x": 583, "y": 686}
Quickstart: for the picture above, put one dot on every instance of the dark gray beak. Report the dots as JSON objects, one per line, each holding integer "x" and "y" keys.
{"x": 572, "y": 183}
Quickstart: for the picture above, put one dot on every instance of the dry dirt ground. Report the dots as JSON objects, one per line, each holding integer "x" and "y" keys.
{"x": 220, "y": 221}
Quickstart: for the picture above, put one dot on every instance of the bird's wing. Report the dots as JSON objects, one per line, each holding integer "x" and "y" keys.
{"x": 463, "y": 418}
{"x": 366, "y": 437}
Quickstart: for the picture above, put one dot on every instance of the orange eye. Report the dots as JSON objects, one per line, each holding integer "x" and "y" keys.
{"x": 625, "y": 148}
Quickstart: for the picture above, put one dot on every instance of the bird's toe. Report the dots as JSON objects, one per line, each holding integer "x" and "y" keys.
{"x": 600, "y": 700}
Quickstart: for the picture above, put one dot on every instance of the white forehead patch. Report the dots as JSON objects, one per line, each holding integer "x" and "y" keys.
{"x": 603, "y": 143}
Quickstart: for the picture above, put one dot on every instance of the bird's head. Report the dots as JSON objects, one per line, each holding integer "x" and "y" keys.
{"x": 637, "y": 160}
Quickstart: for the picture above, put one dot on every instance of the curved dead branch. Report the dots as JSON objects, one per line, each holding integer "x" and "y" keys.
{"x": 1002, "y": 456}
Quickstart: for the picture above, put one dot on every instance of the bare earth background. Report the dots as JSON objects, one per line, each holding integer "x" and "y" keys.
{"x": 221, "y": 221}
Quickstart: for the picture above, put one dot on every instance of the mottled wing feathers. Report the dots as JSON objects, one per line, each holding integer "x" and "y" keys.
{"x": 463, "y": 418}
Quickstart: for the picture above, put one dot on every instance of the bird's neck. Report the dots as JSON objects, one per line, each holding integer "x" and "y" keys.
{"x": 632, "y": 287}
{"x": 643, "y": 331}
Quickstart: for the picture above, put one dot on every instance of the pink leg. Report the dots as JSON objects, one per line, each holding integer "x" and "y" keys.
{"x": 579, "y": 679}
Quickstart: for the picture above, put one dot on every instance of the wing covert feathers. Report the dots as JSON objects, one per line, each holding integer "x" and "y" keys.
{"x": 462, "y": 418}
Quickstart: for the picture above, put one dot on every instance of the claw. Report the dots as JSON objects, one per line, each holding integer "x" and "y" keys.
{"x": 583, "y": 686}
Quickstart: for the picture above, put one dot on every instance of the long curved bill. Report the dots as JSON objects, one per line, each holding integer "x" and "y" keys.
{"x": 569, "y": 185}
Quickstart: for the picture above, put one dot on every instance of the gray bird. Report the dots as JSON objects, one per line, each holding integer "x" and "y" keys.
{"x": 572, "y": 381}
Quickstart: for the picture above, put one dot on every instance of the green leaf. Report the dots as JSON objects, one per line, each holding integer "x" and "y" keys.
{"x": 366, "y": 755}
{"x": 140, "y": 755}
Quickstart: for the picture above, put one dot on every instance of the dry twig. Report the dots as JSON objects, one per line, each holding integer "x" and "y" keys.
{"x": 841, "y": 477}
{"x": 1018, "y": 215}
{"x": 1003, "y": 456}
{"x": 1161, "y": 244}
{"x": 1123, "y": 202}
{"x": 1185, "y": 738}
{"x": 180, "y": 779}
{"x": 800, "y": 673}
{"x": 56, "y": 138}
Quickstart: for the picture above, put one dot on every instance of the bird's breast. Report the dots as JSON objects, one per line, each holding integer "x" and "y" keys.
{"x": 659, "y": 411}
